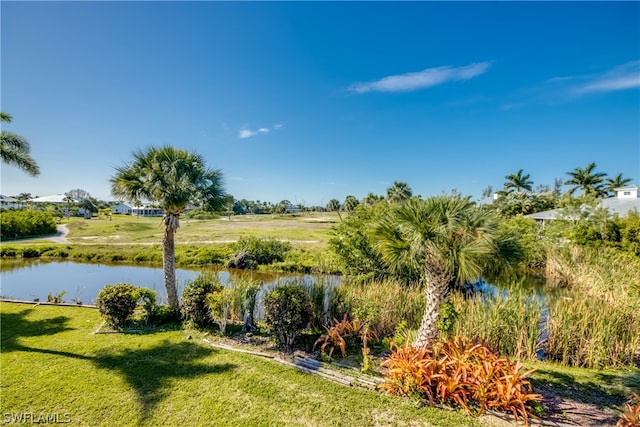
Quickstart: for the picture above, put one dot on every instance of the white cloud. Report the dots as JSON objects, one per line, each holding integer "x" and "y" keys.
{"x": 625, "y": 76}
{"x": 421, "y": 79}
{"x": 248, "y": 133}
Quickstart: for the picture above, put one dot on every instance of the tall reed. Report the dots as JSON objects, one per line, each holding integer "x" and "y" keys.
{"x": 508, "y": 323}
{"x": 606, "y": 273}
{"x": 593, "y": 332}
{"x": 385, "y": 303}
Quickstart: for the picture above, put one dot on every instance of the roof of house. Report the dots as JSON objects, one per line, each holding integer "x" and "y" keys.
{"x": 616, "y": 205}
{"x": 7, "y": 198}
{"x": 55, "y": 198}
{"x": 621, "y": 206}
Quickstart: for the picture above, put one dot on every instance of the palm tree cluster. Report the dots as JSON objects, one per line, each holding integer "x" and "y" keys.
{"x": 585, "y": 180}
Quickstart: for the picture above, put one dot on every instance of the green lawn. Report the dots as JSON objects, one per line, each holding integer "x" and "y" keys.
{"x": 52, "y": 362}
{"x": 310, "y": 228}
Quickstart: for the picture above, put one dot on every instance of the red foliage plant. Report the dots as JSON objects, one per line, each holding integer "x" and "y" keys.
{"x": 462, "y": 372}
{"x": 631, "y": 414}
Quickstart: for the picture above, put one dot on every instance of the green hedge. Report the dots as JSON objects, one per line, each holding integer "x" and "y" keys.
{"x": 19, "y": 224}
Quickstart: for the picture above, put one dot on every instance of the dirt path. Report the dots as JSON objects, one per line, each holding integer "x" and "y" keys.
{"x": 59, "y": 237}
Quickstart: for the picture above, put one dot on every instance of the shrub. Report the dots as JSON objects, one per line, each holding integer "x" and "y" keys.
{"x": 263, "y": 251}
{"x": 8, "y": 252}
{"x": 219, "y": 302}
{"x": 288, "y": 312}
{"x": 164, "y": 314}
{"x": 19, "y": 224}
{"x": 30, "y": 253}
{"x": 117, "y": 303}
{"x": 242, "y": 259}
{"x": 461, "y": 372}
{"x": 194, "y": 298}
{"x": 147, "y": 298}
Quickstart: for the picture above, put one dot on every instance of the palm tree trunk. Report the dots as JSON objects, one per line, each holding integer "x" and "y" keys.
{"x": 437, "y": 291}
{"x": 169, "y": 260}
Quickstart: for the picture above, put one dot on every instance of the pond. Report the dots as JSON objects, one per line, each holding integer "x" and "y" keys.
{"x": 35, "y": 279}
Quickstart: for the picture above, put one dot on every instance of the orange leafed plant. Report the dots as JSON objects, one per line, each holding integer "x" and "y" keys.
{"x": 631, "y": 414}
{"x": 461, "y": 372}
{"x": 335, "y": 337}
{"x": 342, "y": 330}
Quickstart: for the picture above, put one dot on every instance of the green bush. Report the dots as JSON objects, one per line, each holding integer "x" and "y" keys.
{"x": 261, "y": 251}
{"x": 19, "y": 224}
{"x": 164, "y": 314}
{"x": 8, "y": 252}
{"x": 117, "y": 303}
{"x": 287, "y": 312}
{"x": 194, "y": 298}
{"x": 147, "y": 299}
{"x": 30, "y": 253}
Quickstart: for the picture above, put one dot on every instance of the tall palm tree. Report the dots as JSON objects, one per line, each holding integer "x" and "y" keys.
{"x": 450, "y": 240}
{"x": 590, "y": 182}
{"x": 334, "y": 206}
{"x": 172, "y": 179}
{"x": 518, "y": 182}
{"x": 14, "y": 149}
{"x": 617, "y": 182}
{"x": 399, "y": 192}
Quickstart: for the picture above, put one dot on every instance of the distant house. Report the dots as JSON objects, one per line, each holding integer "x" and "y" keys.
{"x": 9, "y": 202}
{"x": 146, "y": 211}
{"x": 122, "y": 209}
{"x": 55, "y": 198}
{"x": 625, "y": 201}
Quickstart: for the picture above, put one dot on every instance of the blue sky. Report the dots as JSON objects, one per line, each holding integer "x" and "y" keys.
{"x": 310, "y": 101}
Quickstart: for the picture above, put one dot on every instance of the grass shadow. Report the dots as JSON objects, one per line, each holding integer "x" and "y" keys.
{"x": 16, "y": 326}
{"x": 584, "y": 391}
{"x": 150, "y": 371}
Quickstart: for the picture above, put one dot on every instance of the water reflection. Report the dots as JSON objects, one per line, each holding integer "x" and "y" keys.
{"x": 35, "y": 279}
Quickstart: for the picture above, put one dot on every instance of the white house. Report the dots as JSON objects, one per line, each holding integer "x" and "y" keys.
{"x": 9, "y": 202}
{"x": 625, "y": 201}
{"x": 146, "y": 211}
{"x": 122, "y": 209}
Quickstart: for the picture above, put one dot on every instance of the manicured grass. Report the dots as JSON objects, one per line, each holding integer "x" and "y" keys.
{"x": 52, "y": 363}
{"x": 309, "y": 228}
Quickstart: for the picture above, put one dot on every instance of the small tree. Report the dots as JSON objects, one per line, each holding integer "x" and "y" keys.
{"x": 288, "y": 312}
{"x": 194, "y": 298}
{"x": 219, "y": 303}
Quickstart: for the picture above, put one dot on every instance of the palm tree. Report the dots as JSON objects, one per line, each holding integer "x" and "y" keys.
{"x": 399, "y": 192}
{"x": 14, "y": 150}
{"x": 334, "y": 206}
{"x": 371, "y": 199}
{"x": 450, "y": 240}
{"x": 350, "y": 203}
{"x": 517, "y": 182}
{"x": 586, "y": 180}
{"x": 617, "y": 182}
{"x": 172, "y": 179}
